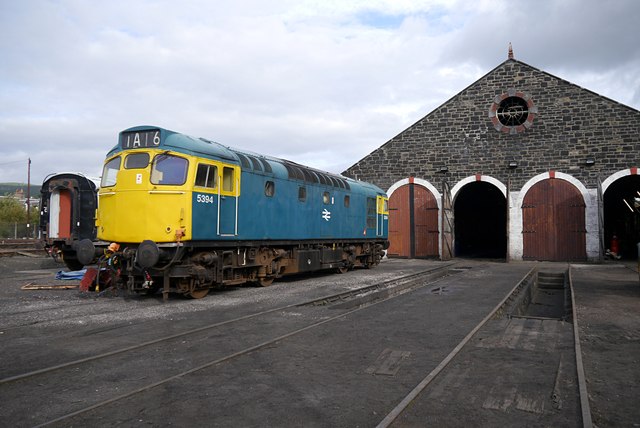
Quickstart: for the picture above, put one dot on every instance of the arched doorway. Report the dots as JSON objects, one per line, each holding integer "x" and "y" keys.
{"x": 621, "y": 217}
{"x": 553, "y": 222}
{"x": 480, "y": 225}
{"x": 413, "y": 222}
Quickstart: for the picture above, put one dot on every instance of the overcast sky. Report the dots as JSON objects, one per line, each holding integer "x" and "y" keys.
{"x": 319, "y": 82}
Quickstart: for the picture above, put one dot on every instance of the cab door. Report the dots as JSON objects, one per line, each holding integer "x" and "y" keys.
{"x": 382, "y": 215}
{"x": 228, "y": 193}
{"x": 215, "y": 200}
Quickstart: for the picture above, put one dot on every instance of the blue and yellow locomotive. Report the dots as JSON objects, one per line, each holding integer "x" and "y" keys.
{"x": 188, "y": 214}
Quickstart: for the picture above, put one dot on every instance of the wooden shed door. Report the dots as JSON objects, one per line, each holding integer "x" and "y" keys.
{"x": 553, "y": 222}
{"x": 413, "y": 222}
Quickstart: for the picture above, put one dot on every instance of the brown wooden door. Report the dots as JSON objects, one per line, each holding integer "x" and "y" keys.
{"x": 425, "y": 214}
{"x": 399, "y": 234}
{"x": 553, "y": 222}
{"x": 413, "y": 222}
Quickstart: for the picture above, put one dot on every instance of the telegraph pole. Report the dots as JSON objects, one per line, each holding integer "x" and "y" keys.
{"x": 28, "y": 197}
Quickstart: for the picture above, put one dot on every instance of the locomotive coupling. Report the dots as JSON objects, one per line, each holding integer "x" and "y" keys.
{"x": 147, "y": 254}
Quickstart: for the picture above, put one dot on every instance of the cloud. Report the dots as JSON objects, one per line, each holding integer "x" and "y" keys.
{"x": 318, "y": 82}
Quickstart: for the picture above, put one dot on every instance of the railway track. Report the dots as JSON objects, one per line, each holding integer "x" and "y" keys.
{"x": 63, "y": 376}
{"x": 186, "y": 353}
{"x": 27, "y": 247}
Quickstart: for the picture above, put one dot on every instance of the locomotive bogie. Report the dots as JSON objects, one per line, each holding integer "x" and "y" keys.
{"x": 258, "y": 265}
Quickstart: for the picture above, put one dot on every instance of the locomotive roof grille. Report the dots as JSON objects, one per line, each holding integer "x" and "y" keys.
{"x": 309, "y": 175}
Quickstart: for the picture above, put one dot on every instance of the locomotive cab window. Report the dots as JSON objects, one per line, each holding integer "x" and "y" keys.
{"x": 136, "y": 161}
{"x": 227, "y": 179}
{"x": 269, "y": 188}
{"x": 169, "y": 170}
{"x": 347, "y": 201}
{"x": 110, "y": 172}
{"x": 302, "y": 194}
{"x": 207, "y": 176}
{"x": 383, "y": 205}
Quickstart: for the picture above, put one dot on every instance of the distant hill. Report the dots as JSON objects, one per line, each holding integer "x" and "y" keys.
{"x": 10, "y": 188}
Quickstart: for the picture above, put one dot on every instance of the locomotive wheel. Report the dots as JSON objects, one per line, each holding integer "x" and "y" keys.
{"x": 266, "y": 281}
{"x": 198, "y": 294}
{"x": 343, "y": 269}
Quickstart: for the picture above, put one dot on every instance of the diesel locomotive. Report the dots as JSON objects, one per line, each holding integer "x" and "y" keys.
{"x": 188, "y": 214}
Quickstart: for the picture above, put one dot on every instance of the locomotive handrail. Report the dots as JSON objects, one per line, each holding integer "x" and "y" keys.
{"x": 106, "y": 193}
{"x": 167, "y": 192}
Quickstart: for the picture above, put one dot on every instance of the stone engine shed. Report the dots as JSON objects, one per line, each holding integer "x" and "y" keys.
{"x": 521, "y": 165}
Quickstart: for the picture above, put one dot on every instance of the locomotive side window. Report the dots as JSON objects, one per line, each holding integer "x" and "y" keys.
{"x": 207, "y": 176}
{"x": 269, "y": 188}
{"x": 168, "y": 169}
{"x": 302, "y": 194}
{"x": 347, "y": 201}
{"x": 136, "y": 161}
{"x": 383, "y": 205}
{"x": 326, "y": 198}
{"x": 110, "y": 172}
{"x": 227, "y": 179}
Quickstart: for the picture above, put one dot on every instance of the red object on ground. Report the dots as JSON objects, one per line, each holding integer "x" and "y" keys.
{"x": 615, "y": 245}
{"x": 88, "y": 279}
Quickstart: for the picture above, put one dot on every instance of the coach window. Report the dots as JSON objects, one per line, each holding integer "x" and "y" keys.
{"x": 110, "y": 172}
{"x": 347, "y": 201}
{"x": 302, "y": 194}
{"x": 269, "y": 188}
{"x": 207, "y": 176}
{"x": 227, "y": 179}
{"x": 169, "y": 170}
{"x": 136, "y": 161}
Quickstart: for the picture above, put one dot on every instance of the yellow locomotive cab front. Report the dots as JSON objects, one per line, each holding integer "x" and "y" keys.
{"x": 145, "y": 195}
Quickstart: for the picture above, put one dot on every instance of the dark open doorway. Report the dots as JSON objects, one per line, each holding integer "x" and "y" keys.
{"x": 622, "y": 220}
{"x": 480, "y": 227}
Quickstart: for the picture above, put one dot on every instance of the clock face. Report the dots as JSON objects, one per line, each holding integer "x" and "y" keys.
{"x": 512, "y": 112}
